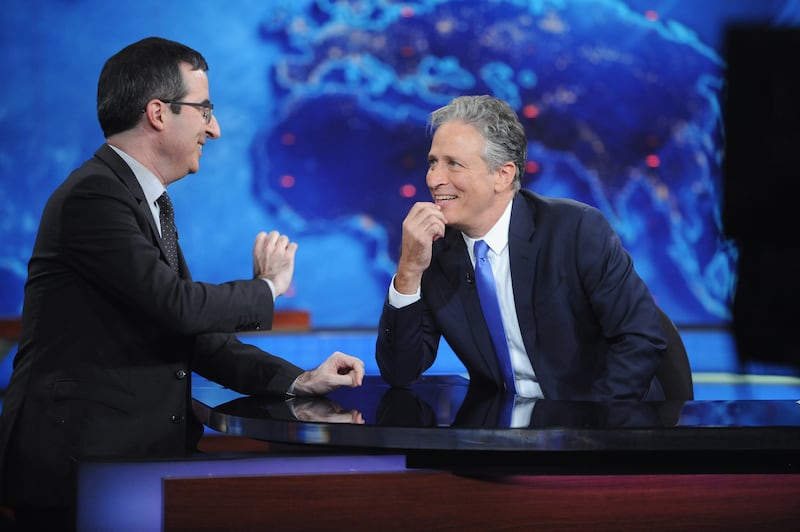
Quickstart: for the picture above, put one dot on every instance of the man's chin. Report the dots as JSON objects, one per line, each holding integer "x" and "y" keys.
{"x": 455, "y": 225}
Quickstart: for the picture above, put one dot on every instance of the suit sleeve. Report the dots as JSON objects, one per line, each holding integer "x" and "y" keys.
{"x": 241, "y": 367}
{"x": 624, "y": 308}
{"x": 407, "y": 343}
{"x": 123, "y": 262}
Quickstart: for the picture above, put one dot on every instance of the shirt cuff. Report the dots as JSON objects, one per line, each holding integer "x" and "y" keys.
{"x": 398, "y": 300}
{"x": 271, "y": 288}
{"x": 290, "y": 392}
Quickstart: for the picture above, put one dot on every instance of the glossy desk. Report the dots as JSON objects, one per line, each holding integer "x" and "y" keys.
{"x": 583, "y": 465}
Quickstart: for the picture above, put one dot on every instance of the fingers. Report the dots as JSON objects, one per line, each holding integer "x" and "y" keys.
{"x": 278, "y": 244}
{"x": 259, "y": 262}
{"x": 258, "y": 246}
{"x": 350, "y": 369}
{"x": 338, "y": 370}
{"x": 277, "y": 241}
{"x": 345, "y": 370}
{"x": 425, "y": 221}
{"x": 273, "y": 259}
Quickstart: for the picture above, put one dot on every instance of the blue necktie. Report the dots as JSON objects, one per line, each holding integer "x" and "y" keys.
{"x": 487, "y": 293}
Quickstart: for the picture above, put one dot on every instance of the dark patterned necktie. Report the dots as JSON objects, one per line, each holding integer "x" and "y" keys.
{"x": 487, "y": 294}
{"x": 169, "y": 234}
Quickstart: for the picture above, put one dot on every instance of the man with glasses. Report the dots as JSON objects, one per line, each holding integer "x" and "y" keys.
{"x": 113, "y": 324}
{"x": 207, "y": 108}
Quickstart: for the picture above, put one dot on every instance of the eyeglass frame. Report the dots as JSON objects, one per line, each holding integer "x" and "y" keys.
{"x": 207, "y": 107}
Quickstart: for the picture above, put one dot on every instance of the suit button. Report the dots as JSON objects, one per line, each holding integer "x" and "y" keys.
{"x": 177, "y": 419}
{"x": 181, "y": 374}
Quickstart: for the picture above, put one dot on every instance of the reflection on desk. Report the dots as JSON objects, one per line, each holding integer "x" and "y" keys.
{"x": 444, "y": 420}
{"x": 310, "y": 409}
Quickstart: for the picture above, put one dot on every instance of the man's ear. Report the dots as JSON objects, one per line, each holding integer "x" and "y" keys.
{"x": 505, "y": 176}
{"x": 154, "y": 112}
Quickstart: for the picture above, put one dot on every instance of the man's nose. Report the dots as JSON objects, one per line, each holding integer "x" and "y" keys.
{"x": 435, "y": 177}
{"x": 213, "y": 130}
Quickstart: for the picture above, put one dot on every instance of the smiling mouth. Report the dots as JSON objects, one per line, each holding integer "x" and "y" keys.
{"x": 444, "y": 197}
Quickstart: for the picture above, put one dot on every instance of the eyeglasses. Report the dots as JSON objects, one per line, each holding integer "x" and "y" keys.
{"x": 206, "y": 107}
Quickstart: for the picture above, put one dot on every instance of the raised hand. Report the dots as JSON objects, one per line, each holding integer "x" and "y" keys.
{"x": 424, "y": 223}
{"x": 273, "y": 259}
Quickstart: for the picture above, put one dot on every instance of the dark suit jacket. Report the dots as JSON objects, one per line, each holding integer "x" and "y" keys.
{"x": 110, "y": 337}
{"x": 588, "y": 322}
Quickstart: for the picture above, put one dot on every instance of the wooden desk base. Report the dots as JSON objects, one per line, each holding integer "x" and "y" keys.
{"x": 425, "y": 500}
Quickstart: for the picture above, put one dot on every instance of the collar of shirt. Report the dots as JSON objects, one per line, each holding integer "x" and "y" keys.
{"x": 151, "y": 186}
{"x": 496, "y": 238}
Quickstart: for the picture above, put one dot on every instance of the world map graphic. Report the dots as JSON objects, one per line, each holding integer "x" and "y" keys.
{"x": 323, "y": 108}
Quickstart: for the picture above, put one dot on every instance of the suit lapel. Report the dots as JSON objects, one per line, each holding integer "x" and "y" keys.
{"x": 107, "y": 154}
{"x": 455, "y": 263}
{"x": 454, "y": 260}
{"x": 523, "y": 256}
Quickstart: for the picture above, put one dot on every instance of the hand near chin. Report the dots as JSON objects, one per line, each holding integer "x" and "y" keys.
{"x": 424, "y": 224}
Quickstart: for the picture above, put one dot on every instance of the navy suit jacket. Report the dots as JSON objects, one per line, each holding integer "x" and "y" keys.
{"x": 588, "y": 321}
{"x": 111, "y": 335}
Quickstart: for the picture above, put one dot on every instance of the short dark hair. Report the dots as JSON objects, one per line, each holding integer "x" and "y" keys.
{"x": 141, "y": 71}
{"x": 497, "y": 122}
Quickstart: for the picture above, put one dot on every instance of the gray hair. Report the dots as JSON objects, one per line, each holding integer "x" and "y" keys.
{"x": 497, "y": 123}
